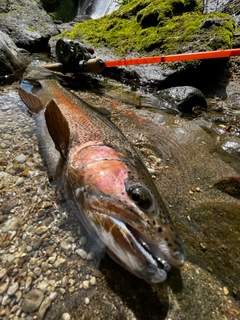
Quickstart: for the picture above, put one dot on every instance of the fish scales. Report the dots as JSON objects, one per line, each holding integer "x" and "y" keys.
{"x": 104, "y": 175}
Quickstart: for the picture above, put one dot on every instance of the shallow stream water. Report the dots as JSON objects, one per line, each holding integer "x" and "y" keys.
{"x": 195, "y": 165}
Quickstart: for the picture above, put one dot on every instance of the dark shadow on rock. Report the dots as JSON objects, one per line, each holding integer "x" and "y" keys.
{"x": 138, "y": 295}
{"x": 175, "y": 281}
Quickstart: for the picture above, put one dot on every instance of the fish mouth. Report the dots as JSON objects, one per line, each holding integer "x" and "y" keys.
{"x": 143, "y": 263}
{"x": 157, "y": 267}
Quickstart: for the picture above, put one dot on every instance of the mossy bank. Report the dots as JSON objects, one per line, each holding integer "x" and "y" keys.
{"x": 164, "y": 26}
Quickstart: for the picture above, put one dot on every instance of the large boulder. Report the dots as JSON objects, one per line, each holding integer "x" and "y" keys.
{"x": 27, "y": 23}
{"x": 12, "y": 61}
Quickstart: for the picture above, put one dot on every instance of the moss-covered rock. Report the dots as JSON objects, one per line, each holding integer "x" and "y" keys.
{"x": 166, "y": 26}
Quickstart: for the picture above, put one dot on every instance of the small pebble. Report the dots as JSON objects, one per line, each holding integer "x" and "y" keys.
{"x": 66, "y": 316}
{"x": 2, "y": 273}
{"x": 41, "y": 230}
{"x": 59, "y": 262}
{"x": 37, "y": 271}
{"x": 85, "y": 284}
{"x": 82, "y": 253}
{"x": 53, "y": 295}
{"x": 6, "y": 300}
{"x": 39, "y": 191}
{"x": 226, "y": 291}
{"x": 64, "y": 281}
{"x": 21, "y": 158}
{"x": 93, "y": 281}
{"x": 86, "y": 300}
{"x": 66, "y": 248}
{"x": 43, "y": 308}
{"x": 3, "y": 288}
{"x": 83, "y": 240}
{"x": 28, "y": 284}
{"x": 13, "y": 289}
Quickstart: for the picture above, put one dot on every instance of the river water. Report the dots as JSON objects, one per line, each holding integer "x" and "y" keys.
{"x": 195, "y": 165}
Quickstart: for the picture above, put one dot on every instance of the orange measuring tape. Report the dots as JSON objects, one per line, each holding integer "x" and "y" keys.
{"x": 175, "y": 57}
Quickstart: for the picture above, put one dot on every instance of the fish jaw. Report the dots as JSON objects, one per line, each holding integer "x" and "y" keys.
{"x": 97, "y": 181}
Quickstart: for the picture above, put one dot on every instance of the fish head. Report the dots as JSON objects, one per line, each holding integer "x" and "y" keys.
{"x": 126, "y": 212}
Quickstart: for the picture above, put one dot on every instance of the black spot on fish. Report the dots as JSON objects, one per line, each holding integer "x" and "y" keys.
{"x": 166, "y": 239}
{"x": 170, "y": 245}
{"x": 160, "y": 230}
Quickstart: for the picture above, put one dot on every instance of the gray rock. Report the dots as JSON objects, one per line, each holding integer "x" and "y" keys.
{"x": 183, "y": 98}
{"x": 12, "y": 61}
{"x": 28, "y": 24}
{"x": 21, "y": 158}
{"x": 13, "y": 289}
{"x": 32, "y": 300}
{"x": 6, "y": 300}
{"x": 82, "y": 253}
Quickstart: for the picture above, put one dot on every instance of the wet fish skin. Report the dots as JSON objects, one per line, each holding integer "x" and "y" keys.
{"x": 105, "y": 177}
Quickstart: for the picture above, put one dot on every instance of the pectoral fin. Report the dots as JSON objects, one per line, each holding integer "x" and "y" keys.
{"x": 31, "y": 100}
{"x": 58, "y": 127}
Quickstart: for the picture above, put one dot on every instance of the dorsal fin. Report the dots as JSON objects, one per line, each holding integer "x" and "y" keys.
{"x": 32, "y": 101}
{"x": 57, "y": 127}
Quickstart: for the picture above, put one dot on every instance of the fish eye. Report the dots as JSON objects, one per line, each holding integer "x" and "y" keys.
{"x": 141, "y": 196}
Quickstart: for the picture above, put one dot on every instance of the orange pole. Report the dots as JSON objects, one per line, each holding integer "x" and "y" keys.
{"x": 175, "y": 57}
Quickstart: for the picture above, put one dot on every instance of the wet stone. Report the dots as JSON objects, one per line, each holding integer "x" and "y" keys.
{"x": 18, "y": 296}
{"x": 85, "y": 284}
{"x": 28, "y": 284}
{"x": 32, "y": 300}
{"x": 21, "y": 158}
{"x": 59, "y": 262}
{"x": 12, "y": 224}
{"x": 66, "y": 248}
{"x": 93, "y": 281}
{"x": 3, "y": 288}
{"x": 13, "y": 289}
{"x": 66, "y": 316}
{"x": 53, "y": 295}
{"x": 2, "y": 273}
{"x": 41, "y": 230}
{"x": 82, "y": 253}
{"x": 6, "y": 300}
{"x": 64, "y": 281}
{"x": 43, "y": 308}
{"x": 37, "y": 271}
{"x": 19, "y": 181}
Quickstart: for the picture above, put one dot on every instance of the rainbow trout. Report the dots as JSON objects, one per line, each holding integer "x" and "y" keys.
{"x": 103, "y": 174}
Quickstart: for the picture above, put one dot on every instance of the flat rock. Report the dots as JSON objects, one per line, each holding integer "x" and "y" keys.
{"x": 32, "y": 300}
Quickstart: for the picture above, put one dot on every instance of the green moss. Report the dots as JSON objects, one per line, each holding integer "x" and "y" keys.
{"x": 166, "y": 26}
{"x": 32, "y": 29}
